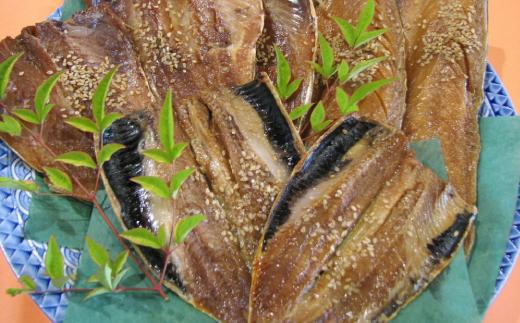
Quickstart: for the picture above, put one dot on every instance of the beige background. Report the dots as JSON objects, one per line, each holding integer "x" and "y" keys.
{"x": 504, "y": 53}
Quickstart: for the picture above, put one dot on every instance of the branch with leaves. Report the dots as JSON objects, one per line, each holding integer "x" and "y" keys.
{"x": 110, "y": 271}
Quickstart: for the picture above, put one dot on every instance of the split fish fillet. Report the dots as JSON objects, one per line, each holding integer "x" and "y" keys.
{"x": 359, "y": 230}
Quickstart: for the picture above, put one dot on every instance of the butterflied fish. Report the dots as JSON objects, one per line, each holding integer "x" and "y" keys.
{"x": 246, "y": 148}
{"x": 359, "y": 230}
{"x": 292, "y": 26}
{"x": 84, "y": 49}
{"x": 388, "y": 103}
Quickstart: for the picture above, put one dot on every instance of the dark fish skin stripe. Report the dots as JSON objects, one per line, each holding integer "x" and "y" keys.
{"x": 446, "y": 243}
{"x": 276, "y": 127}
{"x": 135, "y": 208}
{"x": 321, "y": 163}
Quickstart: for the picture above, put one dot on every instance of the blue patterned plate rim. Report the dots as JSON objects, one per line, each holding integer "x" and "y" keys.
{"x": 26, "y": 256}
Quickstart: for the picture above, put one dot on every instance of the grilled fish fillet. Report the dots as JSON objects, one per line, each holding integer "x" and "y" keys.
{"x": 446, "y": 46}
{"x": 360, "y": 229}
{"x": 292, "y": 26}
{"x": 388, "y": 103}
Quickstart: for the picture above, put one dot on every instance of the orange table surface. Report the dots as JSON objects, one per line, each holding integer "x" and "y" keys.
{"x": 504, "y": 53}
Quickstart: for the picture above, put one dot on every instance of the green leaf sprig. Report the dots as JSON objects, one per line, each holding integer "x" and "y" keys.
{"x": 6, "y": 68}
{"x": 28, "y": 286}
{"x": 348, "y": 104}
{"x": 54, "y": 263}
{"x": 346, "y": 74}
{"x": 318, "y": 118}
{"x": 327, "y": 68}
{"x": 358, "y": 35}
{"x": 285, "y": 87}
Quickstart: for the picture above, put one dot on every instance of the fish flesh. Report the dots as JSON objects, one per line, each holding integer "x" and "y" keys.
{"x": 245, "y": 149}
{"x": 446, "y": 46}
{"x": 358, "y": 231}
{"x": 387, "y": 104}
{"x": 292, "y": 26}
{"x": 83, "y": 49}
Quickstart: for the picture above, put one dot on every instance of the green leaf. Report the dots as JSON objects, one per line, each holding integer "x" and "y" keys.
{"x": 59, "y": 282}
{"x": 96, "y": 292}
{"x": 15, "y": 291}
{"x": 42, "y": 96}
{"x": 13, "y": 184}
{"x": 322, "y": 126}
{"x": 366, "y": 89}
{"x": 345, "y": 105}
{"x": 54, "y": 260}
{"x": 161, "y": 235}
{"x": 28, "y": 283}
{"x": 318, "y": 118}
{"x": 106, "y": 278}
{"x": 166, "y": 126}
{"x": 77, "y": 158}
{"x": 154, "y": 185}
{"x": 158, "y": 155}
{"x": 179, "y": 179}
{"x": 97, "y": 252}
{"x": 119, "y": 276}
{"x": 317, "y": 68}
{"x": 108, "y": 151}
{"x": 177, "y": 150}
{"x": 283, "y": 72}
{"x": 343, "y": 72}
{"x": 26, "y": 115}
{"x": 348, "y": 31}
{"x": 109, "y": 119}
{"x": 368, "y": 36}
{"x": 186, "y": 225}
{"x": 59, "y": 179}
{"x": 83, "y": 124}
{"x": 364, "y": 65}
{"x": 10, "y": 126}
{"x": 119, "y": 263}
{"x": 142, "y": 237}
{"x": 6, "y": 68}
{"x": 293, "y": 87}
{"x": 366, "y": 16}
{"x": 300, "y": 111}
{"x": 327, "y": 56}
{"x": 100, "y": 96}
{"x": 93, "y": 279}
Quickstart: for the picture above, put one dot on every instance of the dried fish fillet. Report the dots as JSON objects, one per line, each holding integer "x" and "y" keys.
{"x": 360, "y": 229}
{"x": 388, "y": 103}
{"x": 292, "y": 26}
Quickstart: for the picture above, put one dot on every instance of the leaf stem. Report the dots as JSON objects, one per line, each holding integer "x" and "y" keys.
{"x": 172, "y": 229}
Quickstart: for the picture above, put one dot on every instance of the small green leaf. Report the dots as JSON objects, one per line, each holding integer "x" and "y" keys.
{"x": 154, "y": 185}
{"x": 77, "y": 158}
{"x": 343, "y": 100}
{"x": 161, "y": 235}
{"x": 322, "y": 126}
{"x": 10, "y": 183}
{"x": 343, "y": 72}
{"x": 15, "y": 291}
{"x": 327, "y": 56}
{"x": 10, "y": 126}
{"x": 59, "y": 282}
{"x": 317, "y": 68}
{"x": 100, "y": 96}
{"x": 42, "y": 97}
{"x": 97, "y": 252}
{"x": 348, "y": 31}
{"x": 300, "y": 111}
{"x": 142, "y": 237}
{"x": 93, "y": 279}
{"x": 59, "y": 179}
{"x": 96, "y": 292}
{"x": 108, "y": 151}
{"x": 158, "y": 155}
{"x": 27, "y": 282}
{"x": 283, "y": 72}
{"x": 119, "y": 276}
{"x": 166, "y": 125}
{"x": 26, "y": 115}
{"x": 366, "y": 16}
{"x": 119, "y": 263}
{"x": 292, "y": 88}
{"x": 366, "y": 89}
{"x": 177, "y": 150}
{"x": 6, "y": 68}
{"x": 106, "y": 278}
{"x": 54, "y": 260}
{"x": 186, "y": 225}
{"x": 364, "y": 65}
{"x": 109, "y": 119}
{"x": 83, "y": 124}
{"x": 179, "y": 179}
{"x": 318, "y": 117}
{"x": 368, "y": 36}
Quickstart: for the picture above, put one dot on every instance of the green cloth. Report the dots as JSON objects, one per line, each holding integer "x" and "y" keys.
{"x": 70, "y": 7}
{"x": 124, "y": 307}
{"x": 66, "y": 218}
{"x": 429, "y": 152}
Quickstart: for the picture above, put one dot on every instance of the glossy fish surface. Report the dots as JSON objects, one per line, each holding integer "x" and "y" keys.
{"x": 359, "y": 230}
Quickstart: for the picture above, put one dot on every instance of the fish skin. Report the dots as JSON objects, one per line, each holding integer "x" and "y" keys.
{"x": 292, "y": 26}
{"x": 418, "y": 221}
{"x": 386, "y": 105}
